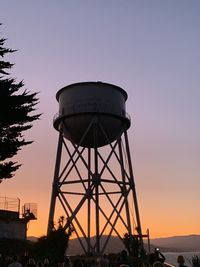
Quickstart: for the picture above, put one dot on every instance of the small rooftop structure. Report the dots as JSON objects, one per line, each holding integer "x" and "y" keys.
{"x": 12, "y": 223}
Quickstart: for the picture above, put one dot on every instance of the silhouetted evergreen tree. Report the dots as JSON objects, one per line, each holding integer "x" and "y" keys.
{"x": 15, "y": 115}
{"x": 56, "y": 243}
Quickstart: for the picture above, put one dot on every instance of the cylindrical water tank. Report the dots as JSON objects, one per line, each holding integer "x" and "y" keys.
{"x": 83, "y": 105}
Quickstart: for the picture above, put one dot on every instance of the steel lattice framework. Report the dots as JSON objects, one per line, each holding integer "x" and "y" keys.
{"x": 95, "y": 189}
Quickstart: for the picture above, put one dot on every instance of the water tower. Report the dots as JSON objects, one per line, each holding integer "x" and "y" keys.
{"x": 93, "y": 179}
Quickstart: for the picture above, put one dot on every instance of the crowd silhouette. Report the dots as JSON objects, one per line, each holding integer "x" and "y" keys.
{"x": 121, "y": 259}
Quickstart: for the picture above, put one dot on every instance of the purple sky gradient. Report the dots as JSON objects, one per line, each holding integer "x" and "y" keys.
{"x": 149, "y": 48}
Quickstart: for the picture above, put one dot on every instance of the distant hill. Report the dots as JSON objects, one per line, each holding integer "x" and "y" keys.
{"x": 166, "y": 244}
{"x": 114, "y": 246}
{"x": 184, "y": 243}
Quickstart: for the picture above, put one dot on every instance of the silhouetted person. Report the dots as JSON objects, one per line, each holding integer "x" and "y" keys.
{"x": 77, "y": 263}
{"x": 2, "y": 261}
{"x": 15, "y": 262}
{"x": 31, "y": 263}
{"x": 181, "y": 261}
{"x": 124, "y": 259}
{"x": 24, "y": 259}
{"x": 159, "y": 256}
{"x": 40, "y": 264}
{"x": 151, "y": 258}
{"x": 103, "y": 261}
{"x": 46, "y": 262}
{"x": 8, "y": 260}
{"x": 67, "y": 262}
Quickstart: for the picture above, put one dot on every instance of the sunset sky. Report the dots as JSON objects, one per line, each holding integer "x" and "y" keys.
{"x": 149, "y": 48}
